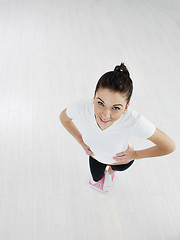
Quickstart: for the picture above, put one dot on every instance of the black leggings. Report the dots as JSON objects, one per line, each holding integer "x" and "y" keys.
{"x": 98, "y": 168}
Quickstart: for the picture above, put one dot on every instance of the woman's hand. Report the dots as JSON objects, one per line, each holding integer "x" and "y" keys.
{"x": 125, "y": 157}
{"x": 87, "y": 149}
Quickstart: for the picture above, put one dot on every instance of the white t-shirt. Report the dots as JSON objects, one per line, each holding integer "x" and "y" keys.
{"x": 114, "y": 139}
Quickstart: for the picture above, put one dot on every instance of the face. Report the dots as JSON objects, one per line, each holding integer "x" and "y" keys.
{"x": 109, "y": 106}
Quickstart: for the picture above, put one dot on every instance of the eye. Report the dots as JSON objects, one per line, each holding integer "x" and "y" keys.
{"x": 117, "y": 108}
{"x": 100, "y": 103}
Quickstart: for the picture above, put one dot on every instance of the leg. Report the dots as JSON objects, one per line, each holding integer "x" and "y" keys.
{"x": 97, "y": 169}
{"x": 109, "y": 177}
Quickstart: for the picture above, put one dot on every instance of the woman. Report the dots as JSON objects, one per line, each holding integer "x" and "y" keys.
{"x": 105, "y": 124}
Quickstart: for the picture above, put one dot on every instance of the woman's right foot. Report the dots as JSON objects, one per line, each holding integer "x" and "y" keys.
{"x": 97, "y": 185}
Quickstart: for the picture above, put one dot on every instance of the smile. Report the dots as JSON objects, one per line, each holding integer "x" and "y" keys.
{"x": 104, "y": 121}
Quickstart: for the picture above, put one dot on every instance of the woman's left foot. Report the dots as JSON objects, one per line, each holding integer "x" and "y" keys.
{"x": 108, "y": 181}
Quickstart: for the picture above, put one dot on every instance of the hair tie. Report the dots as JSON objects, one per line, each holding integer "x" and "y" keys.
{"x": 118, "y": 69}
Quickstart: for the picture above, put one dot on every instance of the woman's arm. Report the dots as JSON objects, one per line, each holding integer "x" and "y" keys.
{"x": 72, "y": 129}
{"x": 70, "y": 126}
{"x": 164, "y": 146}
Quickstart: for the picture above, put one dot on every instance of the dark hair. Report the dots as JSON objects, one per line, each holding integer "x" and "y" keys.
{"x": 118, "y": 80}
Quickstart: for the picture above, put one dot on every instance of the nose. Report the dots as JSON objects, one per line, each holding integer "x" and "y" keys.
{"x": 106, "y": 114}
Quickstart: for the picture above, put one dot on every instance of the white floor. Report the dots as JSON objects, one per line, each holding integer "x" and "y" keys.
{"x": 52, "y": 53}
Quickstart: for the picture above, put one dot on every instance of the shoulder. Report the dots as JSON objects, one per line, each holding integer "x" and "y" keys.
{"x": 133, "y": 113}
{"x": 141, "y": 126}
{"x": 83, "y": 106}
{"x": 137, "y": 116}
{"x": 80, "y": 102}
{"x": 131, "y": 116}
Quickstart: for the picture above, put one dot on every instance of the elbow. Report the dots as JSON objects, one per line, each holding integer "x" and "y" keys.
{"x": 61, "y": 117}
{"x": 64, "y": 118}
{"x": 171, "y": 147}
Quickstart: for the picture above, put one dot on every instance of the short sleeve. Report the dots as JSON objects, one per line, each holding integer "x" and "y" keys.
{"x": 144, "y": 128}
{"x": 73, "y": 109}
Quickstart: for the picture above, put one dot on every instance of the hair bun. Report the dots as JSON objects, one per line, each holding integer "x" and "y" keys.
{"x": 118, "y": 69}
{"x": 122, "y": 68}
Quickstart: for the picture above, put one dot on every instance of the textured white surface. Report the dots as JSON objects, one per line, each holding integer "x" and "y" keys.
{"x": 53, "y": 53}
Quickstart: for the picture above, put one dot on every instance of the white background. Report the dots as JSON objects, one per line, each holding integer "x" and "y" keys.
{"x": 52, "y": 53}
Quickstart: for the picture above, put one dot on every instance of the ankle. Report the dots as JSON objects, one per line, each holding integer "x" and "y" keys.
{"x": 110, "y": 171}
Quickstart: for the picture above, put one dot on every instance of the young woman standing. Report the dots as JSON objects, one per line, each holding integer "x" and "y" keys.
{"x": 105, "y": 124}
